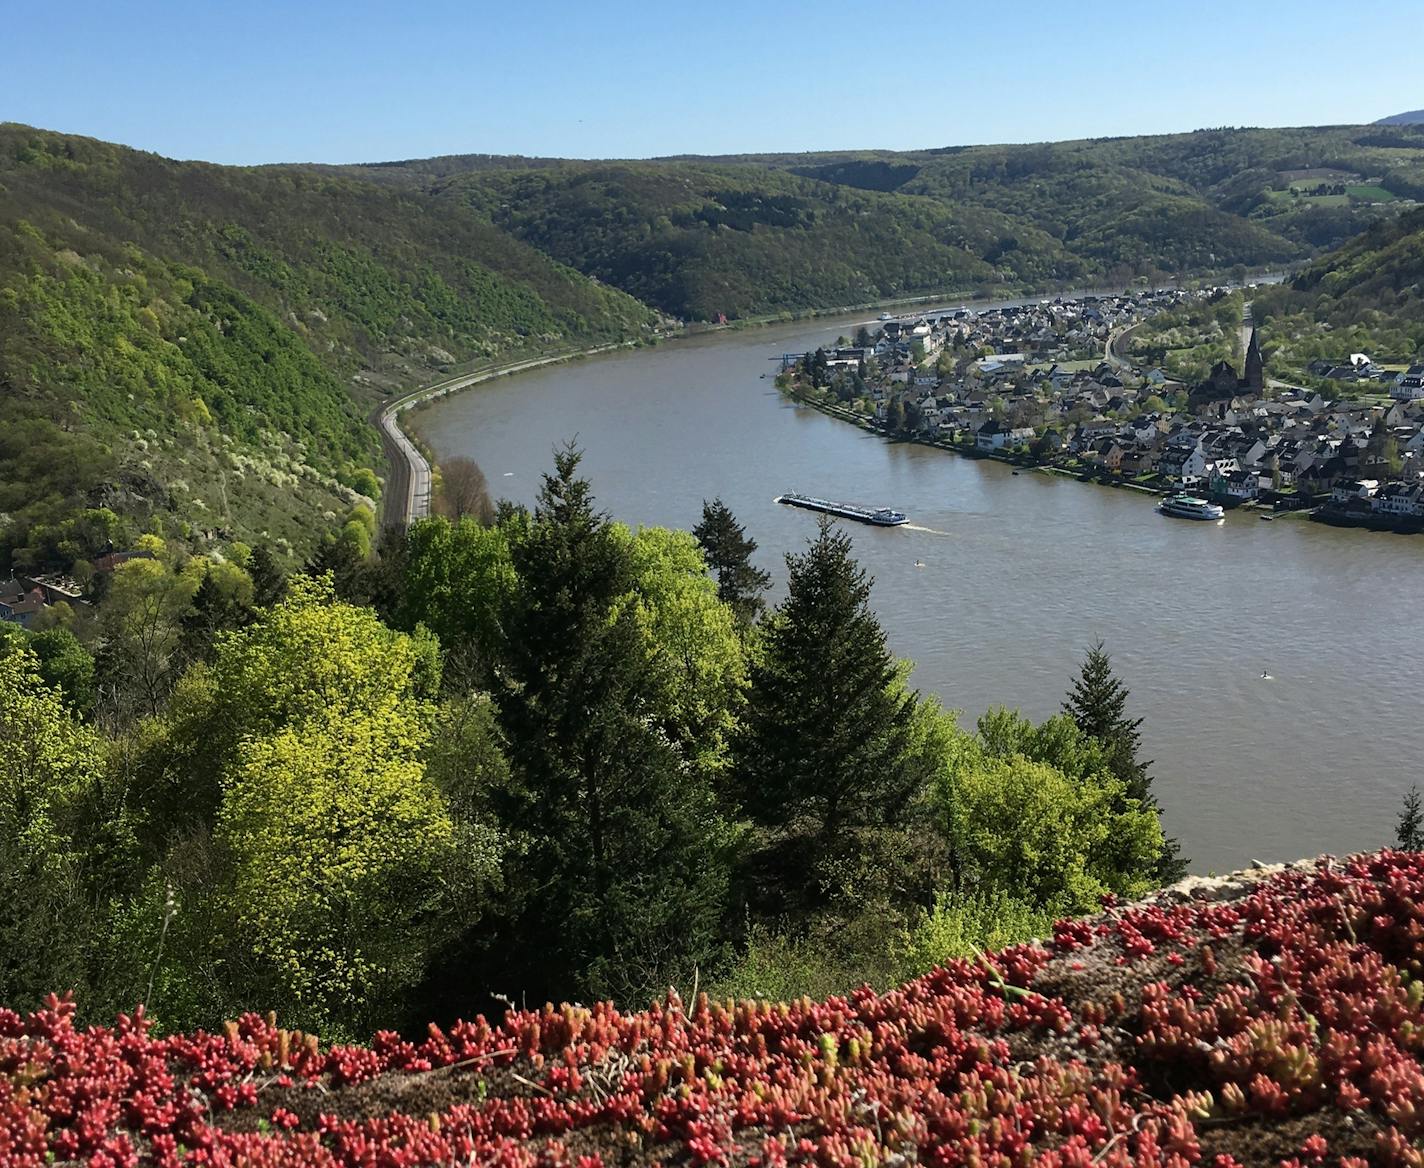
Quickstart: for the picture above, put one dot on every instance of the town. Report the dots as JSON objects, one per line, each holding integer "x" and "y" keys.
{"x": 1053, "y": 384}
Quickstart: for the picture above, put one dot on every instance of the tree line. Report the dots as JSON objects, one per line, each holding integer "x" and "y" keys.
{"x": 526, "y": 751}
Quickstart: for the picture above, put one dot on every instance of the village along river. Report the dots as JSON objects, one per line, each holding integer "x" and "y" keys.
{"x": 1020, "y": 574}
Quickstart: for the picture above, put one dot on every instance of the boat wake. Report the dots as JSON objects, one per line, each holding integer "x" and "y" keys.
{"x": 926, "y": 530}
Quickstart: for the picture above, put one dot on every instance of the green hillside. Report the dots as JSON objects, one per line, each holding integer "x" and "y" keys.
{"x": 699, "y": 240}
{"x": 751, "y": 234}
{"x": 1367, "y": 296}
{"x": 197, "y": 347}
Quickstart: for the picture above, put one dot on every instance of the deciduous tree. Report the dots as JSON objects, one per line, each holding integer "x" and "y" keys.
{"x": 464, "y": 491}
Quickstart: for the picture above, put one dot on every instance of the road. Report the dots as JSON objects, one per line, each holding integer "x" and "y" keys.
{"x": 1115, "y": 351}
{"x": 408, "y": 485}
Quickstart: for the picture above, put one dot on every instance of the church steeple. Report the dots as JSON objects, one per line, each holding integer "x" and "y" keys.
{"x": 1255, "y": 372}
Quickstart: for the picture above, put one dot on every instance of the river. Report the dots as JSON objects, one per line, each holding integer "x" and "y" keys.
{"x": 1020, "y": 574}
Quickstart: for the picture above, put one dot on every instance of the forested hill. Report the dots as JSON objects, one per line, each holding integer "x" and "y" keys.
{"x": 196, "y": 347}
{"x": 189, "y": 345}
{"x": 1366, "y": 296}
{"x": 757, "y": 233}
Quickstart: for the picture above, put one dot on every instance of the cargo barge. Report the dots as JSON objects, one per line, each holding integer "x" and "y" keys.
{"x": 876, "y": 516}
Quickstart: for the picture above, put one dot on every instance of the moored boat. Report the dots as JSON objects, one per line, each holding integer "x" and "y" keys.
{"x": 1190, "y": 507}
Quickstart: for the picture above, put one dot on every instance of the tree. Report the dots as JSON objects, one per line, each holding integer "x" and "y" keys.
{"x": 825, "y": 746}
{"x": 1097, "y": 703}
{"x": 1409, "y": 834}
{"x": 338, "y": 847}
{"x": 622, "y": 880}
{"x": 344, "y": 560}
{"x": 315, "y": 864}
{"x": 141, "y": 624}
{"x": 65, "y": 663}
{"x": 1028, "y": 831}
{"x": 269, "y": 582}
{"x": 464, "y": 491}
{"x": 214, "y": 609}
{"x": 460, "y": 582}
{"x": 48, "y": 757}
{"x": 697, "y": 660}
{"x": 729, "y": 549}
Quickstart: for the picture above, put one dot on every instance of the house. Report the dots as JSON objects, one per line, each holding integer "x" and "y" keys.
{"x": 1107, "y": 454}
{"x": 1350, "y": 489}
{"x": 54, "y": 588}
{"x": 1182, "y": 463}
{"x": 1237, "y": 485}
{"x": 992, "y": 435}
{"x": 1403, "y": 499}
{"x": 1409, "y": 385}
{"x": 20, "y": 605}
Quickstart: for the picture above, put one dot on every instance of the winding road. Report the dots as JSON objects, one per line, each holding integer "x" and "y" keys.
{"x": 408, "y": 485}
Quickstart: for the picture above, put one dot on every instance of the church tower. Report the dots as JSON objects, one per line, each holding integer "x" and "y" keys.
{"x": 1255, "y": 378}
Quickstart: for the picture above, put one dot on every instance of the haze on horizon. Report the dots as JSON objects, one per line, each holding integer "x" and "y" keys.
{"x": 362, "y": 80}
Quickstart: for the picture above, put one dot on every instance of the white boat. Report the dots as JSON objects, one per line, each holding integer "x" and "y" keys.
{"x": 1190, "y": 507}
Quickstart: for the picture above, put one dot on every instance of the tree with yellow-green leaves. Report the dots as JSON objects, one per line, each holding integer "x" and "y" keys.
{"x": 697, "y": 658}
{"x": 318, "y": 863}
{"x": 338, "y": 849}
{"x": 47, "y": 760}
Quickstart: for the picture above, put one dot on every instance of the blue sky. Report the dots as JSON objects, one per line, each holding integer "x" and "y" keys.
{"x": 252, "y": 81}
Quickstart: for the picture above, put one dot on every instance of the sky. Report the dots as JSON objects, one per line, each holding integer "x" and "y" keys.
{"x": 252, "y": 81}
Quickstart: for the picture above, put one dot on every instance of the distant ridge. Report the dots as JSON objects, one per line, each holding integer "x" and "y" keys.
{"x": 1411, "y": 118}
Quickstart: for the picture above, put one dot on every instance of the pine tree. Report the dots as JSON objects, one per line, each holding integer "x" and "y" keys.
{"x": 1409, "y": 835}
{"x": 622, "y": 880}
{"x": 211, "y": 612}
{"x": 825, "y": 741}
{"x": 347, "y": 566}
{"x": 1098, "y": 704}
{"x": 269, "y": 582}
{"x": 728, "y": 549}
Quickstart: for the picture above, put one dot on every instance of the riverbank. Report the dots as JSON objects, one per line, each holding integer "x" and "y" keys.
{"x": 1102, "y": 478}
{"x": 410, "y": 484}
{"x": 969, "y": 298}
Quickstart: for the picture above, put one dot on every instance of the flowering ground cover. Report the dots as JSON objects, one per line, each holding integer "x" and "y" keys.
{"x": 1271, "y": 1018}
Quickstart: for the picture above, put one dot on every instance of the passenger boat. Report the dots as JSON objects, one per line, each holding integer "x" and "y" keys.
{"x": 877, "y": 516}
{"x": 1190, "y": 507}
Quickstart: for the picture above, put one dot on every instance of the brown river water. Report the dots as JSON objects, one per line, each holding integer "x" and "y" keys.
{"x": 1019, "y": 574}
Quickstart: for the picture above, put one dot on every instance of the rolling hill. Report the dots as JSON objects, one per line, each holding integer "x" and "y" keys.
{"x": 747, "y": 234}
{"x": 195, "y": 348}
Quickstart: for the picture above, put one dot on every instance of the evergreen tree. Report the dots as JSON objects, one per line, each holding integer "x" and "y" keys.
{"x": 825, "y": 749}
{"x": 269, "y": 582}
{"x": 621, "y": 879}
{"x": 347, "y": 565}
{"x": 213, "y": 610}
{"x": 1409, "y": 835}
{"x": 729, "y": 549}
{"x": 1097, "y": 703}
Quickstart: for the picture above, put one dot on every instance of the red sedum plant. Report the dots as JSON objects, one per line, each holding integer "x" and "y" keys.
{"x": 1276, "y": 1020}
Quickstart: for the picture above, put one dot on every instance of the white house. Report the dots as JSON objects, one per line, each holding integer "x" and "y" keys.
{"x": 1400, "y": 499}
{"x": 1409, "y": 385}
{"x": 992, "y": 436}
{"x": 1184, "y": 463}
{"x": 1354, "y": 489}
